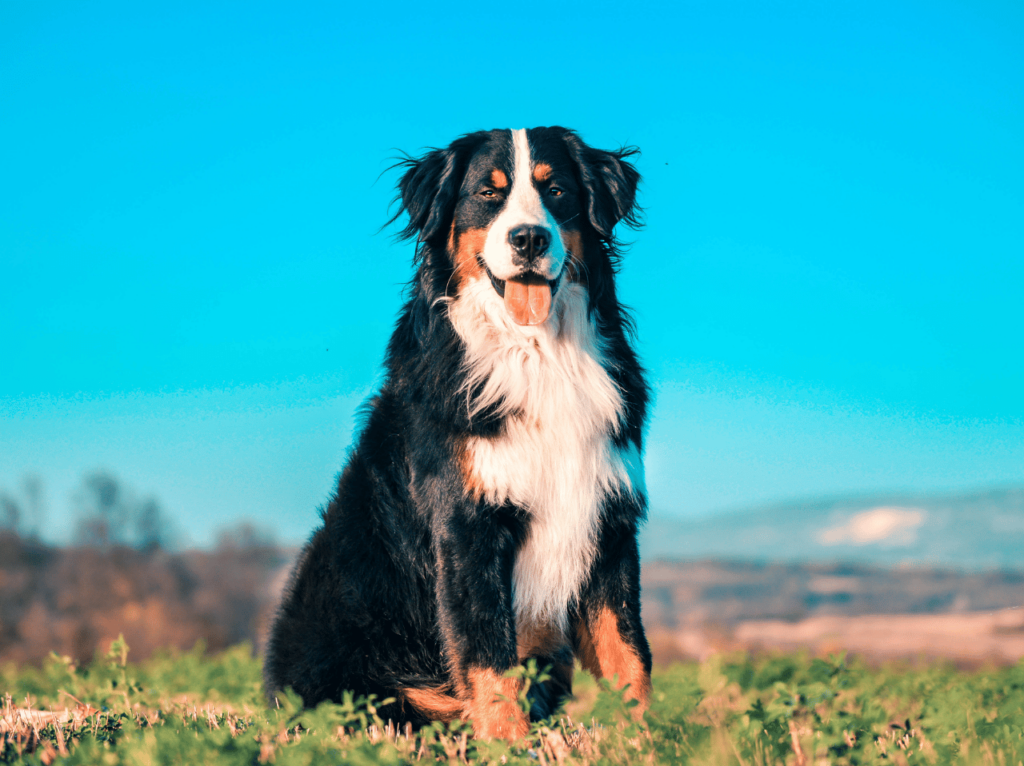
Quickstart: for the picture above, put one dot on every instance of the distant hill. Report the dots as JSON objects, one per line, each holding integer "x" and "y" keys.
{"x": 971, "y": 531}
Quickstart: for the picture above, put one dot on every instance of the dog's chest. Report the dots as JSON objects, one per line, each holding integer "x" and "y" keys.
{"x": 555, "y": 458}
{"x": 561, "y": 476}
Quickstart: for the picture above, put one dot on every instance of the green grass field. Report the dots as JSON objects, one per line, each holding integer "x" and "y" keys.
{"x": 197, "y": 709}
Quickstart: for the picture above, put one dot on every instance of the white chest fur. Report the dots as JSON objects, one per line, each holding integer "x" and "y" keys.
{"x": 556, "y": 457}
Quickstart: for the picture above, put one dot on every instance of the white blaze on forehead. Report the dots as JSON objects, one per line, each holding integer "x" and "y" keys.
{"x": 523, "y": 207}
{"x": 524, "y": 199}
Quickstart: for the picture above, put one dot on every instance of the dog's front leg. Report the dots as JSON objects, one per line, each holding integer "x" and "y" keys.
{"x": 610, "y": 640}
{"x": 475, "y": 548}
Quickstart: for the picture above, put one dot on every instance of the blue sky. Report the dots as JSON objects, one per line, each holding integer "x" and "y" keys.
{"x": 195, "y": 295}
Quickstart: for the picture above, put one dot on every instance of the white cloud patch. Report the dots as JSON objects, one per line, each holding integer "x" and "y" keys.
{"x": 884, "y": 525}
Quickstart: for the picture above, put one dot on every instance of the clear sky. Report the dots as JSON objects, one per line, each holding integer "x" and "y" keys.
{"x": 194, "y": 293}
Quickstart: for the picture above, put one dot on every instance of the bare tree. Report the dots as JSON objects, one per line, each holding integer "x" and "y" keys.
{"x": 10, "y": 513}
{"x": 23, "y": 515}
{"x": 109, "y": 513}
{"x": 101, "y": 510}
{"x": 32, "y": 488}
{"x": 150, "y": 526}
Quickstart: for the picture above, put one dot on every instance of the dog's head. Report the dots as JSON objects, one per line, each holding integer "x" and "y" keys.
{"x": 524, "y": 209}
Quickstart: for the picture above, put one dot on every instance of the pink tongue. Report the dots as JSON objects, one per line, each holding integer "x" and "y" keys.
{"x": 528, "y": 299}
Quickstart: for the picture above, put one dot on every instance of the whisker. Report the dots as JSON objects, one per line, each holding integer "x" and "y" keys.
{"x": 447, "y": 298}
{"x": 580, "y": 264}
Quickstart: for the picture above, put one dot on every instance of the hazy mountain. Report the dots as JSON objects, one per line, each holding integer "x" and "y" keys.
{"x": 976, "y": 530}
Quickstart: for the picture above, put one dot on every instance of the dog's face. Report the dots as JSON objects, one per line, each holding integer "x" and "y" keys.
{"x": 517, "y": 218}
{"x": 518, "y": 208}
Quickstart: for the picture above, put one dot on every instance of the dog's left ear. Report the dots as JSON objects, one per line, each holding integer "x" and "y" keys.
{"x": 610, "y": 182}
{"x": 429, "y": 188}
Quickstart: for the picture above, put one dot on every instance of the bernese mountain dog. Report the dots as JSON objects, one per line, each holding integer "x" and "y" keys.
{"x": 488, "y": 512}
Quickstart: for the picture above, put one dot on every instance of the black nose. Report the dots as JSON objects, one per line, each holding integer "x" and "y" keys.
{"x": 528, "y": 243}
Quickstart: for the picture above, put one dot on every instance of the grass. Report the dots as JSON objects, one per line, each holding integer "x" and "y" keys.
{"x": 191, "y": 708}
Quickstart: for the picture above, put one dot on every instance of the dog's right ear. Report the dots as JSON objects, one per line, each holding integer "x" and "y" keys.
{"x": 426, "y": 193}
{"x": 429, "y": 188}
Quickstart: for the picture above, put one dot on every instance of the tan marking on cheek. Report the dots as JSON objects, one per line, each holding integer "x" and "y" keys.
{"x": 572, "y": 241}
{"x": 605, "y": 654}
{"x": 436, "y": 704}
{"x": 541, "y": 172}
{"x": 498, "y": 179}
{"x": 492, "y": 705}
{"x": 465, "y": 247}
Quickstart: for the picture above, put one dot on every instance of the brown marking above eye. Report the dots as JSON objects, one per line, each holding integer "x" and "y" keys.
{"x": 498, "y": 179}
{"x": 542, "y": 172}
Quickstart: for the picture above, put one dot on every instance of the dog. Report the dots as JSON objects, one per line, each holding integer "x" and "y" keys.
{"x": 488, "y": 512}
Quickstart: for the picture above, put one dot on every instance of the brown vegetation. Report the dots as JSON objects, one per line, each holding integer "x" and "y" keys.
{"x": 74, "y": 600}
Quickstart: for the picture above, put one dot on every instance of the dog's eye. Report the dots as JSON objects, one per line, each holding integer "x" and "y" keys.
{"x": 554, "y": 191}
{"x": 488, "y": 193}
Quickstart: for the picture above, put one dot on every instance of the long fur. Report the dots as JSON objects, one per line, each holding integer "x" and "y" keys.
{"x": 488, "y": 511}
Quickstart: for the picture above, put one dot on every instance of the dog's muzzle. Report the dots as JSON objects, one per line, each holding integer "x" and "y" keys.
{"x": 528, "y": 295}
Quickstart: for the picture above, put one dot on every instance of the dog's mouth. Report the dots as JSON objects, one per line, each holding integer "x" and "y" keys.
{"x": 528, "y": 296}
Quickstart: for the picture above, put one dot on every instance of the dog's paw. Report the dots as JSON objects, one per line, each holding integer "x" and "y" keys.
{"x": 494, "y": 708}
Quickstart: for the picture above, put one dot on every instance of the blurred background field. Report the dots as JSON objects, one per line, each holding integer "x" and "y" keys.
{"x": 923, "y": 581}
